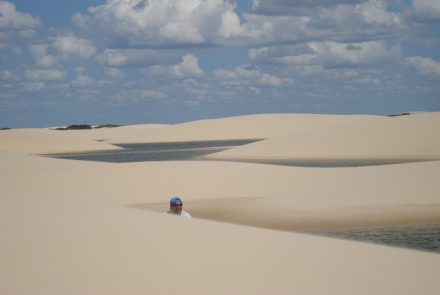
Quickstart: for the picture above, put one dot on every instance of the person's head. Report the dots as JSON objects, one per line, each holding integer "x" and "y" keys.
{"x": 176, "y": 205}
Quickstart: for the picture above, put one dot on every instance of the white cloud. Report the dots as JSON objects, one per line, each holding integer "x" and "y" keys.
{"x": 173, "y": 23}
{"x": 369, "y": 20}
{"x": 375, "y": 12}
{"x": 158, "y": 22}
{"x": 41, "y": 56}
{"x": 57, "y": 50}
{"x": 426, "y": 10}
{"x": 134, "y": 96}
{"x": 113, "y": 73}
{"x": 82, "y": 79}
{"x": 426, "y": 66}
{"x": 11, "y": 19}
{"x": 328, "y": 54}
{"x": 188, "y": 68}
{"x": 274, "y": 81}
{"x": 250, "y": 75}
{"x": 15, "y": 27}
{"x": 151, "y": 94}
{"x": 136, "y": 57}
{"x": 43, "y": 74}
{"x": 294, "y": 7}
{"x": 7, "y": 75}
{"x": 34, "y": 86}
{"x": 342, "y": 23}
{"x": 194, "y": 88}
{"x": 71, "y": 46}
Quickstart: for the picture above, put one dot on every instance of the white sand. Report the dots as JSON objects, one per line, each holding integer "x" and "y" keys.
{"x": 117, "y": 134}
{"x": 74, "y": 227}
{"x": 410, "y": 138}
{"x": 243, "y": 127}
{"x": 45, "y": 141}
{"x": 49, "y": 141}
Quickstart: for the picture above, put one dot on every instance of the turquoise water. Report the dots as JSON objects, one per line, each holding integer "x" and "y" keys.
{"x": 420, "y": 237}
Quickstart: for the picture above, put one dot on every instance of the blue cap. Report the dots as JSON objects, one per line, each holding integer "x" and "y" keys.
{"x": 176, "y": 201}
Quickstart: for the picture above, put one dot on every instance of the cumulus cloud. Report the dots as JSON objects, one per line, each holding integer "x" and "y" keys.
{"x": 176, "y": 23}
{"x": 113, "y": 73}
{"x": 188, "y": 68}
{"x": 349, "y": 23}
{"x": 151, "y": 94}
{"x": 134, "y": 96}
{"x": 194, "y": 88}
{"x": 328, "y": 54}
{"x": 274, "y": 81}
{"x": 15, "y": 26}
{"x": 7, "y": 75}
{"x": 375, "y": 12}
{"x": 247, "y": 74}
{"x": 342, "y": 23}
{"x": 143, "y": 23}
{"x": 82, "y": 79}
{"x": 426, "y": 66}
{"x": 34, "y": 86}
{"x": 137, "y": 57}
{"x": 42, "y": 57}
{"x": 44, "y": 74}
{"x": 294, "y": 7}
{"x": 59, "y": 49}
{"x": 426, "y": 10}
{"x": 71, "y": 46}
{"x": 11, "y": 19}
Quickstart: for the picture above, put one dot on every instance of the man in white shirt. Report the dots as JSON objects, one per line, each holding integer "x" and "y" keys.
{"x": 176, "y": 208}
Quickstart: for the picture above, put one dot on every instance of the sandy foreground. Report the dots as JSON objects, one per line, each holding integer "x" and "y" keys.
{"x": 76, "y": 227}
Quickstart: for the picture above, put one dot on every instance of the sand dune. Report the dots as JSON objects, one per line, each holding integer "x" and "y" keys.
{"x": 51, "y": 245}
{"x": 118, "y": 134}
{"x": 76, "y": 227}
{"x": 243, "y": 127}
{"x": 404, "y": 138}
{"x": 48, "y": 141}
{"x": 45, "y": 141}
{"x": 253, "y": 194}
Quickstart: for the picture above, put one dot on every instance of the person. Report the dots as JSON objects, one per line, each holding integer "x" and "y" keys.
{"x": 176, "y": 208}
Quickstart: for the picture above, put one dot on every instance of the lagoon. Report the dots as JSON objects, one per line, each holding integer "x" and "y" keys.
{"x": 172, "y": 151}
{"x": 194, "y": 150}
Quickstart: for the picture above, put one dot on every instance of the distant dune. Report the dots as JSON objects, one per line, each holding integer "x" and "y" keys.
{"x": 405, "y": 138}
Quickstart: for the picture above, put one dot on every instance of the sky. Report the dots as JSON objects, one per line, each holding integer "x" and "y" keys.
{"x": 66, "y": 62}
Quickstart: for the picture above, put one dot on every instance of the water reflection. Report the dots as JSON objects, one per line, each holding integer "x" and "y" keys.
{"x": 172, "y": 151}
{"x": 421, "y": 237}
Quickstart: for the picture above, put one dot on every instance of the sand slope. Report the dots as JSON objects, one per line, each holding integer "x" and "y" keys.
{"x": 45, "y": 141}
{"x": 254, "y": 194}
{"x": 117, "y": 134}
{"x": 55, "y": 246}
{"x": 48, "y": 141}
{"x": 408, "y": 138}
{"x": 241, "y": 127}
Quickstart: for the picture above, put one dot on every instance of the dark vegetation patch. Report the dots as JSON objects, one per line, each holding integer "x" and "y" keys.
{"x": 86, "y": 126}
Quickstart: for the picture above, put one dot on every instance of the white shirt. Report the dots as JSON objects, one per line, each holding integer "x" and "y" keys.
{"x": 183, "y": 214}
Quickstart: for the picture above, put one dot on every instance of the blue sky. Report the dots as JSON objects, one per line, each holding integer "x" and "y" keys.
{"x": 167, "y": 61}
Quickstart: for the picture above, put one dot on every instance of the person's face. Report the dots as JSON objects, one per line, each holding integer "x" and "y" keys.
{"x": 176, "y": 209}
